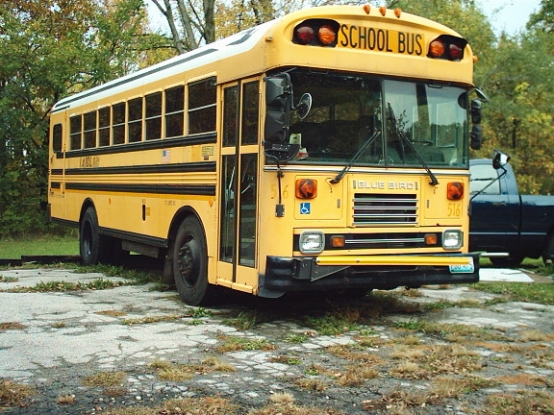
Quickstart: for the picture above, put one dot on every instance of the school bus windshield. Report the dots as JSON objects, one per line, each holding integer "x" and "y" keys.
{"x": 407, "y": 122}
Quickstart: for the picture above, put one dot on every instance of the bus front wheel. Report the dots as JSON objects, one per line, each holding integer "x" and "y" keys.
{"x": 190, "y": 263}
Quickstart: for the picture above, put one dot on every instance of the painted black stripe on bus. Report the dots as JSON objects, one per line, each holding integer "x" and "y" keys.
{"x": 56, "y": 172}
{"x": 56, "y": 185}
{"x": 200, "y": 167}
{"x": 169, "y": 189}
{"x": 184, "y": 141}
{"x": 109, "y": 86}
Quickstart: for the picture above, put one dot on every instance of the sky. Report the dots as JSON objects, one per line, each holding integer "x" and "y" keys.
{"x": 509, "y": 15}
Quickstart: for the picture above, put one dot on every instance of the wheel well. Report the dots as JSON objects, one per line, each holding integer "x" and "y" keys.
{"x": 178, "y": 219}
{"x": 86, "y": 204}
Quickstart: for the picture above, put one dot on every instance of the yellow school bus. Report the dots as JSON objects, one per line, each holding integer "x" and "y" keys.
{"x": 327, "y": 150}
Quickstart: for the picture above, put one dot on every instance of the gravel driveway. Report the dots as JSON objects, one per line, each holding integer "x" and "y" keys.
{"x": 426, "y": 351}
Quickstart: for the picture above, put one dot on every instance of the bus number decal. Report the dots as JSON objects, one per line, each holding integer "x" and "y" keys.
{"x": 275, "y": 192}
{"x": 90, "y": 161}
{"x": 368, "y": 38}
{"x": 455, "y": 209}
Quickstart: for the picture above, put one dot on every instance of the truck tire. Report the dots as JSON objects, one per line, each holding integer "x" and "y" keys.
{"x": 548, "y": 255}
{"x": 511, "y": 261}
{"x": 190, "y": 263}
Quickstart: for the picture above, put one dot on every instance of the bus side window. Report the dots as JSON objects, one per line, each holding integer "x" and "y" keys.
{"x": 76, "y": 131}
{"x": 57, "y": 138}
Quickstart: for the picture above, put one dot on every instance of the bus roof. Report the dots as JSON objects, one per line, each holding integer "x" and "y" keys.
{"x": 267, "y": 35}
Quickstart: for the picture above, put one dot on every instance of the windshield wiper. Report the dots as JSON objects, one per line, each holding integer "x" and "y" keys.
{"x": 355, "y": 157}
{"x": 407, "y": 141}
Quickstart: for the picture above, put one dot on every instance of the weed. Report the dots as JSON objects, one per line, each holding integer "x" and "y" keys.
{"x": 287, "y": 360}
{"x": 176, "y": 372}
{"x": 243, "y": 321}
{"x": 520, "y": 403}
{"x": 172, "y": 372}
{"x": 356, "y": 375}
{"x": 312, "y": 384}
{"x": 8, "y": 279}
{"x": 152, "y": 319}
{"x": 295, "y": 338}
{"x": 201, "y": 312}
{"x": 236, "y": 343}
{"x": 13, "y": 394}
{"x": 105, "y": 379}
{"x": 11, "y": 326}
{"x": 331, "y": 324}
{"x": 65, "y": 400}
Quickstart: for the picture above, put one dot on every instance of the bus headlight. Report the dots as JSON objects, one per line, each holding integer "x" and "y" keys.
{"x": 312, "y": 242}
{"x": 452, "y": 239}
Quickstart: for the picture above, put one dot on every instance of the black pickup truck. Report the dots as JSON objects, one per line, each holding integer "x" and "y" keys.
{"x": 505, "y": 225}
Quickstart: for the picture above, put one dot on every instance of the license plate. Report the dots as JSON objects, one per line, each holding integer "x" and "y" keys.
{"x": 463, "y": 269}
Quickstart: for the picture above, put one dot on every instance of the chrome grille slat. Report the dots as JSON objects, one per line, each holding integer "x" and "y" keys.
{"x": 384, "y": 209}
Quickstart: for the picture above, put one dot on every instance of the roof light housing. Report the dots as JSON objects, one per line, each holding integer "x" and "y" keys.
{"x": 447, "y": 47}
{"x": 316, "y": 32}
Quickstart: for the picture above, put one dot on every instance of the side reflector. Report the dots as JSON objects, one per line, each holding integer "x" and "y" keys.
{"x": 306, "y": 189}
{"x": 455, "y": 191}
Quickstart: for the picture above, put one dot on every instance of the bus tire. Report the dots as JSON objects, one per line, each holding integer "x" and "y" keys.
{"x": 190, "y": 263}
{"x": 93, "y": 247}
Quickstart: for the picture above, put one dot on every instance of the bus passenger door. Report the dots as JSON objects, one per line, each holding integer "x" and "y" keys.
{"x": 238, "y": 233}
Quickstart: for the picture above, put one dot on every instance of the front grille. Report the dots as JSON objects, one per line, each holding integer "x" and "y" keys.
{"x": 384, "y": 209}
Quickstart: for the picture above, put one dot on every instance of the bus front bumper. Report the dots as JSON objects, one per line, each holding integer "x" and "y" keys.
{"x": 366, "y": 272}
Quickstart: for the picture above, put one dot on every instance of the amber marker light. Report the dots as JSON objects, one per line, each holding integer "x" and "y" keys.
{"x": 436, "y": 49}
{"x": 383, "y": 10}
{"x": 455, "y": 191}
{"x": 306, "y": 189}
{"x": 367, "y": 8}
{"x": 337, "y": 241}
{"x": 397, "y": 12}
{"x": 326, "y": 35}
{"x": 431, "y": 239}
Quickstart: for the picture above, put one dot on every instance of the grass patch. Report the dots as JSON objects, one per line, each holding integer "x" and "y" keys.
{"x": 41, "y": 245}
{"x": 176, "y": 372}
{"x": 105, "y": 379}
{"x": 520, "y": 403}
{"x": 519, "y": 291}
{"x": 64, "y": 286}
{"x": 236, "y": 343}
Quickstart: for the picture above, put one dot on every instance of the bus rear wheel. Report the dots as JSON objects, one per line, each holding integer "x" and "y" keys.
{"x": 190, "y": 263}
{"x": 93, "y": 247}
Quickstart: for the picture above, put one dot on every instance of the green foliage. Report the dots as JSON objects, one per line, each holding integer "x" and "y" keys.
{"x": 49, "y": 50}
{"x": 531, "y": 293}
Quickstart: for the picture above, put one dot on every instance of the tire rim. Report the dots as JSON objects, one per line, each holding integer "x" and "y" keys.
{"x": 189, "y": 262}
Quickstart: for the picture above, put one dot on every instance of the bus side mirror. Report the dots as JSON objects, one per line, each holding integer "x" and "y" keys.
{"x": 278, "y": 98}
{"x": 476, "y": 134}
{"x": 499, "y": 159}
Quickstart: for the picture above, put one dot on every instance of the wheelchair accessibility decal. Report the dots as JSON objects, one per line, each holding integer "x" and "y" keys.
{"x": 305, "y": 208}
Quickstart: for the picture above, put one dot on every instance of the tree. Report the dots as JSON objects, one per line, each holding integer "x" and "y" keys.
{"x": 49, "y": 49}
